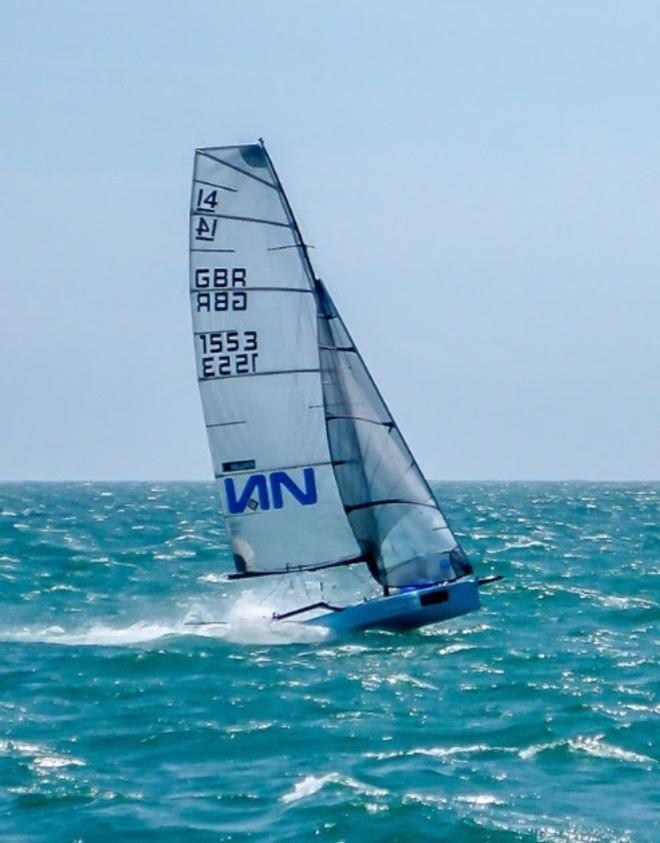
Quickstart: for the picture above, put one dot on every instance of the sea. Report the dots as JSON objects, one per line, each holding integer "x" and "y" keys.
{"x": 123, "y": 718}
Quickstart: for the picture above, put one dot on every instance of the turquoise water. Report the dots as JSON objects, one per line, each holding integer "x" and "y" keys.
{"x": 534, "y": 719}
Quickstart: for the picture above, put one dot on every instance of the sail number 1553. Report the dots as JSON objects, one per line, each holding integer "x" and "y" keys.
{"x": 226, "y": 353}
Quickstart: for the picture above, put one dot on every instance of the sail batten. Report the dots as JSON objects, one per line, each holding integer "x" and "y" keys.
{"x": 387, "y": 502}
{"x": 390, "y": 424}
{"x": 215, "y": 184}
{"x": 254, "y": 289}
{"x": 223, "y": 251}
{"x": 239, "y": 219}
{"x": 259, "y": 374}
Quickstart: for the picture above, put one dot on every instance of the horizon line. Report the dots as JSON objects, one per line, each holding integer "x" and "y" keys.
{"x": 211, "y": 480}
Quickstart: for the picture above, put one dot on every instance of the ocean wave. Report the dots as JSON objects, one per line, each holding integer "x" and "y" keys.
{"x": 439, "y": 751}
{"x": 480, "y": 800}
{"x": 521, "y": 544}
{"x": 41, "y": 758}
{"x": 589, "y": 745}
{"x": 312, "y": 784}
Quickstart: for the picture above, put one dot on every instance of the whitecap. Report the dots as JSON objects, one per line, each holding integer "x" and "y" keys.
{"x": 480, "y": 800}
{"x": 10, "y": 747}
{"x": 593, "y": 746}
{"x": 597, "y": 748}
{"x": 311, "y": 784}
{"x": 42, "y": 759}
{"x": 403, "y": 678}
{"x": 250, "y": 726}
{"x": 56, "y": 762}
{"x": 423, "y": 799}
{"x": 438, "y": 751}
{"x": 613, "y": 600}
{"x": 455, "y": 648}
{"x": 532, "y": 751}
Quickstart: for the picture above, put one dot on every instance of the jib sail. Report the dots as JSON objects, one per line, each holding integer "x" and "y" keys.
{"x": 394, "y": 515}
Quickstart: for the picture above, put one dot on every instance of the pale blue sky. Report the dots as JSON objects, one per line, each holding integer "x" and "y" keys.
{"x": 481, "y": 181}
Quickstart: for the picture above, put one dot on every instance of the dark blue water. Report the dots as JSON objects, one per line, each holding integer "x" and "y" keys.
{"x": 534, "y": 719}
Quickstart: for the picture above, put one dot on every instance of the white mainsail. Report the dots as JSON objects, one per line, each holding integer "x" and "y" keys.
{"x": 256, "y": 342}
{"x": 311, "y": 467}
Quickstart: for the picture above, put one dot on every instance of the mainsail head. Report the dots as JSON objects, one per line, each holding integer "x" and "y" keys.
{"x": 311, "y": 467}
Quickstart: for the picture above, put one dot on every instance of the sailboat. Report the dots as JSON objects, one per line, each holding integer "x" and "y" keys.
{"x": 312, "y": 470}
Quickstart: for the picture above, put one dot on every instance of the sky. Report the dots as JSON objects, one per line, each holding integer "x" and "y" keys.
{"x": 480, "y": 180}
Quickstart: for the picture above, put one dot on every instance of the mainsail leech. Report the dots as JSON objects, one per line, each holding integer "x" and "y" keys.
{"x": 304, "y": 482}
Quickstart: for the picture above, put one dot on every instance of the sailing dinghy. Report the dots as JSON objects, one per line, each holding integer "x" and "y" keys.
{"x": 312, "y": 470}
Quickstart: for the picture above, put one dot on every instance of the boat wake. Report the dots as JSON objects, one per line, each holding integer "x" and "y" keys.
{"x": 248, "y": 621}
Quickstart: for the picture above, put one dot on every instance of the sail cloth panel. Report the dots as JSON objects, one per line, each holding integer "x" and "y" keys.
{"x": 256, "y": 344}
{"x": 392, "y": 510}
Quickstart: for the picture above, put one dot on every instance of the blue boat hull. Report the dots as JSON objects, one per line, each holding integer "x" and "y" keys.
{"x": 405, "y": 610}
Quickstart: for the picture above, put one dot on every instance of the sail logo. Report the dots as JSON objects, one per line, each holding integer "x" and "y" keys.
{"x": 266, "y": 491}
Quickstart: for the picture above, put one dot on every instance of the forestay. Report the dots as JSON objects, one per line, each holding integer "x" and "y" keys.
{"x": 256, "y": 342}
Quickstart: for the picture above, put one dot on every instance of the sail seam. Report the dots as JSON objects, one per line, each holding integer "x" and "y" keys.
{"x": 389, "y": 424}
{"x": 200, "y": 213}
{"x": 213, "y": 184}
{"x": 238, "y": 169}
{"x": 250, "y": 289}
{"x": 228, "y": 251}
{"x": 290, "y": 246}
{"x": 224, "y": 424}
{"x": 259, "y": 374}
{"x": 367, "y": 504}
